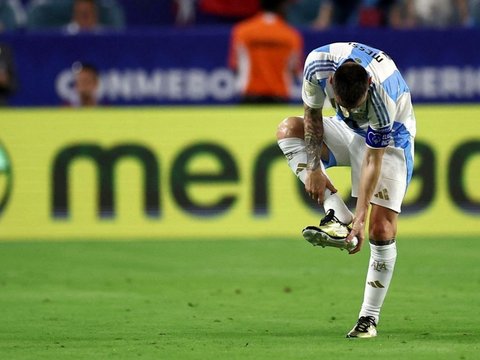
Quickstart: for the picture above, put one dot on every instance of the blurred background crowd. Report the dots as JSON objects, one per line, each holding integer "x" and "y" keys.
{"x": 246, "y": 18}
{"x": 95, "y": 15}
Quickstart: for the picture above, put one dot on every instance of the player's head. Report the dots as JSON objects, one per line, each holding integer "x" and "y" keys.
{"x": 276, "y": 6}
{"x": 350, "y": 84}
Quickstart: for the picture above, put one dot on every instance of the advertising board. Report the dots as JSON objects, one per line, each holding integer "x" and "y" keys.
{"x": 204, "y": 172}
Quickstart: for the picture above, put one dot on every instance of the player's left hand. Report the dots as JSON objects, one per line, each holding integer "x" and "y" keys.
{"x": 315, "y": 184}
{"x": 358, "y": 230}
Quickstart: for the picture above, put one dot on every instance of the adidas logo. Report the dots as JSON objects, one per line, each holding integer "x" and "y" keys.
{"x": 300, "y": 168}
{"x": 376, "y": 284}
{"x": 382, "y": 194}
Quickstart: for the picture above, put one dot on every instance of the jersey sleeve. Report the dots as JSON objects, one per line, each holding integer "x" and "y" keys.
{"x": 315, "y": 75}
{"x": 383, "y": 113}
{"x": 382, "y": 108}
{"x": 312, "y": 94}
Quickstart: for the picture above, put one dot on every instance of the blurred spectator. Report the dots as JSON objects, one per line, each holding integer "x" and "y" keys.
{"x": 184, "y": 11}
{"x": 8, "y": 80}
{"x": 474, "y": 9}
{"x": 12, "y": 15}
{"x": 86, "y": 85}
{"x": 267, "y": 54}
{"x": 225, "y": 11}
{"x": 378, "y": 13}
{"x": 321, "y": 14}
{"x": 75, "y": 15}
{"x": 84, "y": 17}
{"x": 435, "y": 13}
{"x": 336, "y": 12}
{"x": 304, "y": 13}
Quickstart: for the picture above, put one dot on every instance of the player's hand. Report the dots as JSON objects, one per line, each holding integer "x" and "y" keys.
{"x": 358, "y": 230}
{"x": 315, "y": 183}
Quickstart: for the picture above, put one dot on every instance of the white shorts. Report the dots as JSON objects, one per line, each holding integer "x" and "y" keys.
{"x": 348, "y": 148}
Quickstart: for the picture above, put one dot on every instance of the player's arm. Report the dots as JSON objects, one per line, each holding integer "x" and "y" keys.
{"x": 316, "y": 180}
{"x": 379, "y": 134}
{"x": 313, "y": 127}
{"x": 313, "y": 96}
{"x": 313, "y": 132}
{"x": 369, "y": 175}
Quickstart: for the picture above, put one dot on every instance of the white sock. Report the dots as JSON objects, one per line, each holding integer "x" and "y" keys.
{"x": 294, "y": 150}
{"x": 379, "y": 275}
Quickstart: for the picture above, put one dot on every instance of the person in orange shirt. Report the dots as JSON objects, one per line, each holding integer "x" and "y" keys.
{"x": 266, "y": 53}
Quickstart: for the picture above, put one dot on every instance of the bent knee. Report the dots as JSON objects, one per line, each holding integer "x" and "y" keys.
{"x": 291, "y": 127}
{"x": 382, "y": 230}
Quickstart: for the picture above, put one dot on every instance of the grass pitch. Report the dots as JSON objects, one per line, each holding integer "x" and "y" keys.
{"x": 232, "y": 299}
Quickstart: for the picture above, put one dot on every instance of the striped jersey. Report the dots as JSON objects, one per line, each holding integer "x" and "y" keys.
{"x": 387, "y": 117}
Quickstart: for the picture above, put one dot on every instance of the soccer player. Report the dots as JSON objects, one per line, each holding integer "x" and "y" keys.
{"x": 373, "y": 133}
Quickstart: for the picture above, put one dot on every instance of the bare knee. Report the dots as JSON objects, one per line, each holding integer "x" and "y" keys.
{"x": 291, "y": 127}
{"x": 382, "y": 231}
{"x": 383, "y": 224}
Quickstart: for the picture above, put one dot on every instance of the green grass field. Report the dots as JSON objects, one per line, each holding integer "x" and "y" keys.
{"x": 260, "y": 298}
{"x": 240, "y": 299}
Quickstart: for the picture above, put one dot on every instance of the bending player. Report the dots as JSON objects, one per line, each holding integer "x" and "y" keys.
{"x": 373, "y": 133}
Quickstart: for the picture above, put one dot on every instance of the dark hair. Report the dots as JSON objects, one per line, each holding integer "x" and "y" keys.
{"x": 93, "y": 2}
{"x": 272, "y": 5}
{"x": 350, "y": 83}
{"x": 78, "y": 66}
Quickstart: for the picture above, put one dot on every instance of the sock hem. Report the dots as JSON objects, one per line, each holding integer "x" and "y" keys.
{"x": 382, "y": 243}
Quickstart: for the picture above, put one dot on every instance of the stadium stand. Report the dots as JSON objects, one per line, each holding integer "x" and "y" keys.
{"x": 435, "y": 13}
{"x": 48, "y": 14}
{"x": 149, "y": 13}
{"x": 322, "y": 14}
{"x": 474, "y": 8}
{"x": 12, "y": 15}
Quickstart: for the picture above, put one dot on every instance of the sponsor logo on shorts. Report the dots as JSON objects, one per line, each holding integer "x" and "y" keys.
{"x": 382, "y": 194}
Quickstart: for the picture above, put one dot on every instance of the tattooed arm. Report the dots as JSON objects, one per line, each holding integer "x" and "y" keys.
{"x": 313, "y": 127}
{"x": 316, "y": 180}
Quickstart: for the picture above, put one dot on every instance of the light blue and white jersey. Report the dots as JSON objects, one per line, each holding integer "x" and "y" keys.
{"x": 387, "y": 117}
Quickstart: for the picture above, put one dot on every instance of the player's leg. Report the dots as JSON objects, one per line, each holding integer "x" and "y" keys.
{"x": 333, "y": 228}
{"x": 383, "y": 254}
{"x": 386, "y": 205}
{"x": 290, "y": 137}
